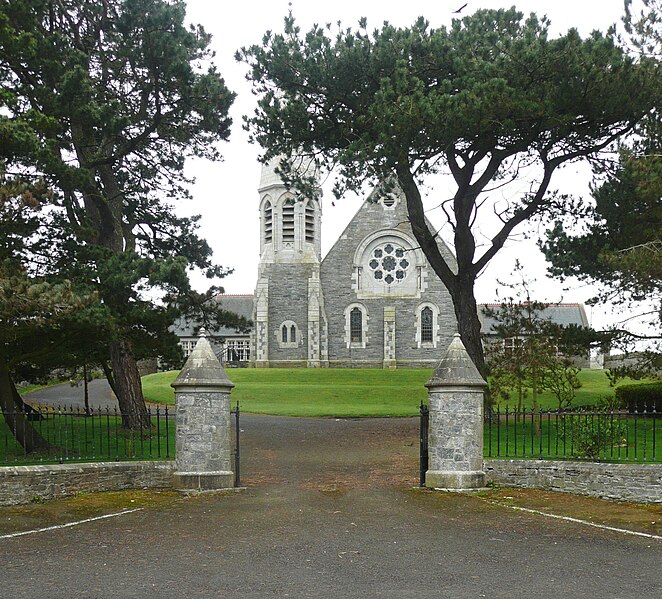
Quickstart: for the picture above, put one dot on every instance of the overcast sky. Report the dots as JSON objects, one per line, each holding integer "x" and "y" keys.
{"x": 226, "y": 196}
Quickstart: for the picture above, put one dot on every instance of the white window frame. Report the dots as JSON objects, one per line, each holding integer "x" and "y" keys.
{"x": 364, "y": 326}
{"x": 241, "y": 347}
{"x": 435, "y": 325}
{"x": 289, "y": 343}
{"x": 188, "y": 345}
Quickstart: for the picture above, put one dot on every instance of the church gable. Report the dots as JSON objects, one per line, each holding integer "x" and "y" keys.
{"x": 384, "y": 303}
{"x": 382, "y": 218}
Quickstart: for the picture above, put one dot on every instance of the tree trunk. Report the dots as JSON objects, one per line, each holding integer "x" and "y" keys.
{"x": 128, "y": 387}
{"x": 108, "y": 371}
{"x": 460, "y": 285}
{"x": 468, "y": 323}
{"x": 17, "y": 420}
{"x": 27, "y": 409}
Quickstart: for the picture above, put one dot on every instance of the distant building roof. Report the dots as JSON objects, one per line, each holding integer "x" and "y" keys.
{"x": 242, "y": 305}
{"x": 561, "y": 314}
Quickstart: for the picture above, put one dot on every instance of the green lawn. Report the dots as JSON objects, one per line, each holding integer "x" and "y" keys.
{"x": 314, "y": 392}
{"x": 345, "y": 392}
{"x": 595, "y": 386}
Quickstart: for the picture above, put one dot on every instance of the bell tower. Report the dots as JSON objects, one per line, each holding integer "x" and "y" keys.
{"x": 288, "y": 297}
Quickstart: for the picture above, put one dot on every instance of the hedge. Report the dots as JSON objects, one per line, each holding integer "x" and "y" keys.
{"x": 639, "y": 397}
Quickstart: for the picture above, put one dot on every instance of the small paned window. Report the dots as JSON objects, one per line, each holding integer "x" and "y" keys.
{"x": 187, "y": 347}
{"x": 426, "y": 325}
{"x": 310, "y": 223}
{"x": 293, "y": 334}
{"x": 237, "y": 350}
{"x": 283, "y": 334}
{"x": 356, "y": 325}
{"x": 511, "y": 345}
{"x": 288, "y": 220}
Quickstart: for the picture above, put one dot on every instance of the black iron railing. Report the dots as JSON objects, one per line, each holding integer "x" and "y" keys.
{"x": 64, "y": 434}
{"x": 591, "y": 434}
{"x": 237, "y": 455}
{"x": 598, "y": 435}
{"x": 423, "y": 443}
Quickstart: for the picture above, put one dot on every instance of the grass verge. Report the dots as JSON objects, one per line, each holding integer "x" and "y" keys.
{"x": 314, "y": 392}
{"x": 347, "y": 392}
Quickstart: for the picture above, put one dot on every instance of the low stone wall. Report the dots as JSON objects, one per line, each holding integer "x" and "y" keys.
{"x": 624, "y": 482}
{"x": 23, "y": 484}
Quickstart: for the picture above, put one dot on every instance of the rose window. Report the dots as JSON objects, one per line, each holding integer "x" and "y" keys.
{"x": 388, "y": 263}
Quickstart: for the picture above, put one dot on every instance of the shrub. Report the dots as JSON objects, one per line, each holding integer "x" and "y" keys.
{"x": 592, "y": 435}
{"x": 639, "y": 397}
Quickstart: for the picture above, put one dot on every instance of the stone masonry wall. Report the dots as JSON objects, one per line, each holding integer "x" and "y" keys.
{"x": 288, "y": 300}
{"x": 623, "y": 482}
{"x": 23, "y": 484}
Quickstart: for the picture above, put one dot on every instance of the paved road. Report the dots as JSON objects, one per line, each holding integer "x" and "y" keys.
{"x": 329, "y": 512}
{"x": 67, "y": 395}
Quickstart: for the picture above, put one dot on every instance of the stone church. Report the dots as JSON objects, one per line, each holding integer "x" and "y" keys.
{"x": 373, "y": 301}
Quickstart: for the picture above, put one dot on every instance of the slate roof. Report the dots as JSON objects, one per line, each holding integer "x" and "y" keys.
{"x": 239, "y": 304}
{"x": 562, "y": 314}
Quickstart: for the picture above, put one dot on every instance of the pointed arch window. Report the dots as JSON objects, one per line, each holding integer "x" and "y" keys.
{"x": 427, "y": 325}
{"x": 288, "y": 220}
{"x": 287, "y": 334}
{"x": 356, "y": 326}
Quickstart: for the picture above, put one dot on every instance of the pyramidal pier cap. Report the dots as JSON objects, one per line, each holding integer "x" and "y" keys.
{"x": 456, "y": 368}
{"x": 202, "y": 368}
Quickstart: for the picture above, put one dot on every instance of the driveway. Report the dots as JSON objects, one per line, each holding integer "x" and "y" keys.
{"x": 330, "y": 510}
{"x": 99, "y": 392}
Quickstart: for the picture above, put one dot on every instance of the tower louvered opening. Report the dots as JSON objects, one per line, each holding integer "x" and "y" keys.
{"x": 310, "y": 223}
{"x": 268, "y": 223}
{"x": 288, "y": 221}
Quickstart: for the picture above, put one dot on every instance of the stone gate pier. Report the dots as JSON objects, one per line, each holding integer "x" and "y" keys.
{"x": 455, "y": 439}
{"x": 203, "y": 434}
